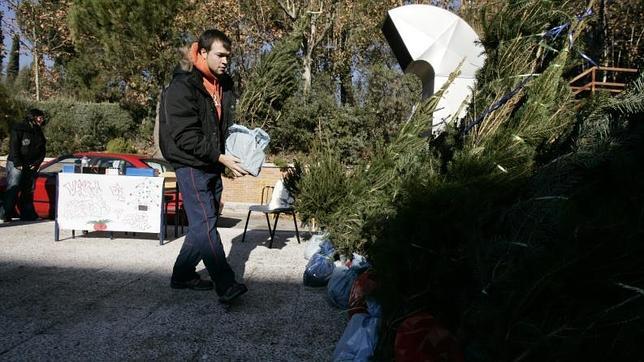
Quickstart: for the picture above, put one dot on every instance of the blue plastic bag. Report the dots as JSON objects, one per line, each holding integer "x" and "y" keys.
{"x": 318, "y": 271}
{"x": 339, "y": 287}
{"x": 326, "y": 248}
{"x": 247, "y": 145}
{"x": 313, "y": 245}
{"x": 359, "y": 339}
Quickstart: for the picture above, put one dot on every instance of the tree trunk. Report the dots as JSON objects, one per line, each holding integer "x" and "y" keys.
{"x": 307, "y": 62}
{"x": 1, "y": 43}
{"x": 346, "y": 86}
{"x": 306, "y": 74}
{"x": 36, "y": 68}
{"x": 605, "y": 37}
{"x": 157, "y": 150}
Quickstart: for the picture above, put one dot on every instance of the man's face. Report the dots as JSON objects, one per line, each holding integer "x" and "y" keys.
{"x": 40, "y": 120}
{"x": 216, "y": 58}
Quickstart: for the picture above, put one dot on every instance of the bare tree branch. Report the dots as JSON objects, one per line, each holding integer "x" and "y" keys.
{"x": 289, "y": 8}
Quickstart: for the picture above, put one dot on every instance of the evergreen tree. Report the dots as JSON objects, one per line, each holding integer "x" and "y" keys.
{"x": 10, "y": 110}
{"x": 524, "y": 246}
{"x": 14, "y": 59}
{"x": 24, "y": 82}
{"x": 133, "y": 42}
{"x": 125, "y": 52}
{"x": 1, "y": 41}
{"x": 271, "y": 82}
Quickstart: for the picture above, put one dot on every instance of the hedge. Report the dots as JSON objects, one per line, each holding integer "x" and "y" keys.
{"x": 80, "y": 126}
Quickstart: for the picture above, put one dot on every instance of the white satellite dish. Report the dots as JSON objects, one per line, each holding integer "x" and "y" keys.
{"x": 431, "y": 42}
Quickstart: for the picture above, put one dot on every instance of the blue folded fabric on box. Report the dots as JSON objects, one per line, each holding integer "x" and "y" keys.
{"x": 70, "y": 169}
{"x": 248, "y": 145}
{"x": 133, "y": 171}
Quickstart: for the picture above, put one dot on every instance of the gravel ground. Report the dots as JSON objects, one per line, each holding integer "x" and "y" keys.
{"x": 92, "y": 298}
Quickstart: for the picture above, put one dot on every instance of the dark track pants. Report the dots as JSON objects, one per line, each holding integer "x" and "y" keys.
{"x": 201, "y": 193}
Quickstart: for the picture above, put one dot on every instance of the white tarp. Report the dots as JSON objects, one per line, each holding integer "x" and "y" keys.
{"x": 431, "y": 42}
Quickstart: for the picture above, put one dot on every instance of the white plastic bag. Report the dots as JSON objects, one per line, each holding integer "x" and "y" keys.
{"x": 281, "y": 198}
{"x": 247, "y": 145}
{"x": 313, "y": 245}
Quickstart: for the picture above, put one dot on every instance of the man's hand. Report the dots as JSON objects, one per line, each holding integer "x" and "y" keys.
{"x": 232, "y": 163}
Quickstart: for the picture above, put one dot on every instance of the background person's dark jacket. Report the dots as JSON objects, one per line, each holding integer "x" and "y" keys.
{"x": 190, "y": 132}
{"x": 27, "y": 145}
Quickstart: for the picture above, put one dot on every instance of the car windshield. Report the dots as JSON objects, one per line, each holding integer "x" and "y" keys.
{"x": 58, "y": 165}
{"x": 159, "y": 165}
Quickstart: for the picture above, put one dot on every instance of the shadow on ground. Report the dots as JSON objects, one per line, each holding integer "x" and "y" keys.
{"x": 67, "y": 313}
{"x": 18, "y": 222}
{"x": 240, "y": 252}
{"x": 228, "y": 222}
{"x": 172, "y": 232}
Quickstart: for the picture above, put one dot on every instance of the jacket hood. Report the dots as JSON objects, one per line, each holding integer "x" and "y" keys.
{"x": 200, "y": 63}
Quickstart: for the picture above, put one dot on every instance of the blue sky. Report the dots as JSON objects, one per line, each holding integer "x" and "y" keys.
{"x": 9, "y": 24}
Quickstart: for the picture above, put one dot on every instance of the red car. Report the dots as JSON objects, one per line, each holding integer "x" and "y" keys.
{"x": 45, "y": 185}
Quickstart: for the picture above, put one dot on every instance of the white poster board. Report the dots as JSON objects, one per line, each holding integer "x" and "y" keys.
{"x": 109, "y": 203}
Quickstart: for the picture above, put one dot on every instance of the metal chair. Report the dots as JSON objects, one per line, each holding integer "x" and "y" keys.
{"x": 264, "y": 208}
{"x": 179, "y": 212}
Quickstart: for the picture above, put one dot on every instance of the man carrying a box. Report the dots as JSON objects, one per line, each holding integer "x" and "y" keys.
{"x": 195, "y": 113}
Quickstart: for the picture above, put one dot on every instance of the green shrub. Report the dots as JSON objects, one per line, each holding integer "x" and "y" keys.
{"x": 383, "y": 104}
{"x": 80, "y": 126}
{"x": 295, "y": 130}
{"x": 11, "y": 111}
{"x": 144, "y": 139}
{"x": 120, "y": 145}
{"x": 321, "y": 188}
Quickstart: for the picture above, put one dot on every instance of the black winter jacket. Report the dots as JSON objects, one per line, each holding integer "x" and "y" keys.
{"x": 190, "y": 132}
{"x": 27, "y": 145}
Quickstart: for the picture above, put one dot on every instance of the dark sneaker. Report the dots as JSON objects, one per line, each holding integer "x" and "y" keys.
{"x": 194, "y": 284}
{"x": 232, "y": 293}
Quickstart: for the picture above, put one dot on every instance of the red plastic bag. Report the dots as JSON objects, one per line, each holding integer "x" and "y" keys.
{"x": 421, "y": 337}
{"x": 363, "y": 286}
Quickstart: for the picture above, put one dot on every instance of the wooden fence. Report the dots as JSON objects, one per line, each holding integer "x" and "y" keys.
{"x": 598, "y": 80}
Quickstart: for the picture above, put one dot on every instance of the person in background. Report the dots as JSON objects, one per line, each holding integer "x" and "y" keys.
{"x": 194, "y": 116}
{"x": 27, "y": 147}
